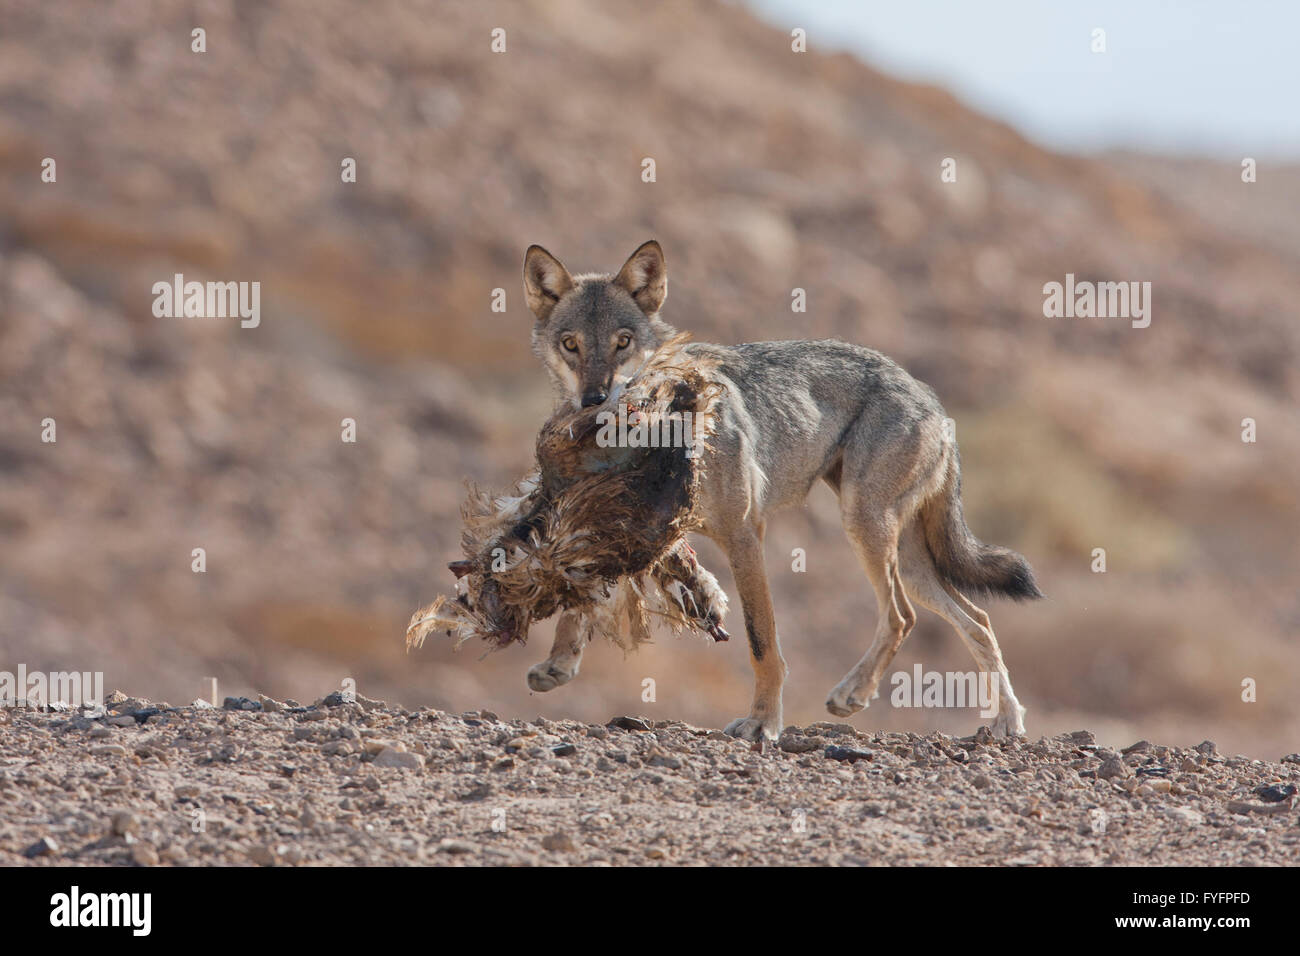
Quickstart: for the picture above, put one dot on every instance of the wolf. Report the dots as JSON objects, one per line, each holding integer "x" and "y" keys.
{"x": 793, "y": 413}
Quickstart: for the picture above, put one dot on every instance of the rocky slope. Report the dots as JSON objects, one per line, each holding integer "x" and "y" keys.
{"x": 337, "y": 783}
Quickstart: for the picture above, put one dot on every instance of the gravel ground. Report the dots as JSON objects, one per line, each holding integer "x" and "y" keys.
{"x": 267, "y": 782}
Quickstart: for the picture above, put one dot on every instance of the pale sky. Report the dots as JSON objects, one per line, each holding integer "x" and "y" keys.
{"x": 1187, "y": 76}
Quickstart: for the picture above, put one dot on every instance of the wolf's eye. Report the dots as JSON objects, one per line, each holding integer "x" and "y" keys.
{"x": 624, "y": 340}
{"x": 570, "y": 343}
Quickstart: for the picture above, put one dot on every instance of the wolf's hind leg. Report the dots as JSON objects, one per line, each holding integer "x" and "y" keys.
{"x": 566, "y": 655}
{"x": 970, "y": 622}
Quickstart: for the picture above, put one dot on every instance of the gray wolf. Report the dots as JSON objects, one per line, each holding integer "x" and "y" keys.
{"x": 793, "y": 413}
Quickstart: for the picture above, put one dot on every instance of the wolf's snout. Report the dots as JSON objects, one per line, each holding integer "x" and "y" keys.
{"x": 595, "y": 396}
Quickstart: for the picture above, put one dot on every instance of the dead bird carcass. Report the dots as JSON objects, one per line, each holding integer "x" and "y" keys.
{"x": 600, "y": 527}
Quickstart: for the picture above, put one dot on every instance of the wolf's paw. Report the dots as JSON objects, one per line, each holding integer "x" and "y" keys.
{"x": 1010, "y": 723}
{"x": 843, "y": 703}
{"x": 549, "y": 675}
{"x": 750, "y": 728}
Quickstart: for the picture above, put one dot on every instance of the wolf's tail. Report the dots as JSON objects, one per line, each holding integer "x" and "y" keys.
{"x": 965, "y": 562}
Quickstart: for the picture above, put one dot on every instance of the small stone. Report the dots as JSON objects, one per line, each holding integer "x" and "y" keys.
{"x": 174, "y": 854}
{"x": 1275, "y": 793}
{"x": 99, "y": 732}
{"x": 144, "y": 854}
{"x": 850, "y": 754}
{"x": 1186, "y": 816}
{"x": 630, "y": 723}
{"x": 1141, "y": 747}
{"x": 560, "y": 842}
{"x": 1291, "y": 758}
{"x": 124, "y": 822}
{"x": 664, "y": 760}
{"x": 391, "y": 757}
{"x": 121, "y": 720}
{"x": 564, "y": 750}
{"x": 186, "y": 791}
{"x": 982, "y": 782}
{"x": 797, "y": 743}
{"x": 1207, "y": 747}
{"x": 45, "y": 846}
{"x": 1113, "y": 768}
{"x": 480, "y": 791}
{"x": 240, "y": 703}
{"x": 457, "y": 847}
{"x": 655, "y": 853}
{"x": 108, "y": 750}
{"x": 261, "y": 854}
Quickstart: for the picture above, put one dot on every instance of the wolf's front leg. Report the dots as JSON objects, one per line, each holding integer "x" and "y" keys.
{"x": 746, "y": 555}
{"x": 566, "y": 655}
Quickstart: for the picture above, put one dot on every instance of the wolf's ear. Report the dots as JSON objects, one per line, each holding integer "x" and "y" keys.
{"x": 645, "y": 277}
{"x": 545, "y": 280}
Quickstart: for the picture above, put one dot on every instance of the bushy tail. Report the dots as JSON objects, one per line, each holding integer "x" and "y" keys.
{"x": 965, "y": 562}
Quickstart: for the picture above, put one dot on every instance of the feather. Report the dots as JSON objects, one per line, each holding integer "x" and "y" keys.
{"x": 600, "y": 527}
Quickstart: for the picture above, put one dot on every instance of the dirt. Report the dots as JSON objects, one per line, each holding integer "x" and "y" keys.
{"x": 357, "y": 781}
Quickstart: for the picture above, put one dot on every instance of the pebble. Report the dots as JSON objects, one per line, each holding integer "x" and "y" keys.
{"x": 630, "y": 723}
{"x": 144, "y": 854}
{"x": 850, "y": 754}
{"x": 392, "y": 757}
{"x": 261, "y": 854}
{"x": 1275, "y": 793}
{"x": 1113, "y": 768}
{"x": 794, "y": 743}
{"x": 240, "y": 703}
{"x": 560, "y": 842}
{"x": 45, "y": 846}
{"x": 1185, "y": 815}
{"x": 108, "y": 750}
{"x": 124, "y": 822}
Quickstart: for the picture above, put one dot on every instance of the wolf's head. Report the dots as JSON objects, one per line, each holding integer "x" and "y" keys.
{"x": 594, "y": 331}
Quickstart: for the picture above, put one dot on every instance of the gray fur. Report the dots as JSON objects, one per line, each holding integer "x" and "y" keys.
{"x": 795, "y": 413}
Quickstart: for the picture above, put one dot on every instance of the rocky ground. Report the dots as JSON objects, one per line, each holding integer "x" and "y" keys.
{"x": 340, "y": 782}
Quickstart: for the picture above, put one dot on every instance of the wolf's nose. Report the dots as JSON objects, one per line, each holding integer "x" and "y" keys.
{"x": 595, "y": 397}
